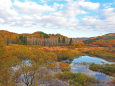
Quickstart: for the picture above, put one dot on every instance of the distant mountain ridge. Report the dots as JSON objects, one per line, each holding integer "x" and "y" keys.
{"x": 104, "y": 40}
{"x": 83, "y": 38}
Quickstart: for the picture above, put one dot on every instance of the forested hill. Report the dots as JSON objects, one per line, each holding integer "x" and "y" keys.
{"x": 104, "y": 40}
{"x": 6, "y": 34}
{"x": 41, "y": 38}
{"x": 36, "y": 38}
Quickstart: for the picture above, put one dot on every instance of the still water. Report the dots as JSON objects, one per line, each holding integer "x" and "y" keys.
{"x": 77, "y": 66}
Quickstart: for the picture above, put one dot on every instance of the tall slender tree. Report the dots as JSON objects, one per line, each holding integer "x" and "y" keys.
{"x": 59, "y": 40}
{"x": 70, "y": 42}
{"x": 23, "y": 39}
{"x": 63, "y": 40}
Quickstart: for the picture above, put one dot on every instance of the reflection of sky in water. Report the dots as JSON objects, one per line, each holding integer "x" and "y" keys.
{"x": 26, "y": 62}
{"x": 89, "y": 59}
{"x": 84, "y": 68}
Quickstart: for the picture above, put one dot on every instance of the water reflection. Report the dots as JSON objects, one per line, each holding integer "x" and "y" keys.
{"x": 77, "y": 66}
{"x": 89, "y": 59}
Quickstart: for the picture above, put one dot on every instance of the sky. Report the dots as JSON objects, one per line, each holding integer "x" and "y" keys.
{"x": 72, "y": 18}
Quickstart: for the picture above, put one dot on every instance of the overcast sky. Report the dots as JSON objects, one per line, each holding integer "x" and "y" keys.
{"x": 72, "y": 18}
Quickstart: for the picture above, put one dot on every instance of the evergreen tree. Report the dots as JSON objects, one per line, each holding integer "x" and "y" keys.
{"x": 59, "y": 40}
{"x": 70, "y": 42}
{"x": 16, "y": 40}
{"x": 23, "y": 39}
{"x": 63, "y": 40}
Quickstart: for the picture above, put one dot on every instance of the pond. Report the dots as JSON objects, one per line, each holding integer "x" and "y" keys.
{"x": 77, "y": 66}
{"x": 89, "y": 59}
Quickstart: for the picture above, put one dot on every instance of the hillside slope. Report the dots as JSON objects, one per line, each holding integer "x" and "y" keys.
{"x": 107, "y": 40}
{"x": 6, "y": 34}
{"x": 36, "y": 38}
